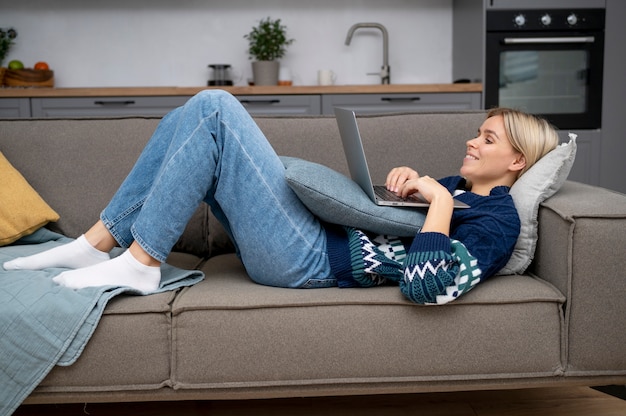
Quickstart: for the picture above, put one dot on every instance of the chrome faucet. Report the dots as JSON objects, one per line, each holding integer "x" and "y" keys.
{"x": 384, "y": 73}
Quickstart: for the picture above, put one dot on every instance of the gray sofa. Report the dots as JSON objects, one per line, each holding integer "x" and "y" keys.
{"x": 561, "y": 323}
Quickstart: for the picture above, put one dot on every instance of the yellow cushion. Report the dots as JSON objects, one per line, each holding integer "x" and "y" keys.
{"x": 22, "y": 210}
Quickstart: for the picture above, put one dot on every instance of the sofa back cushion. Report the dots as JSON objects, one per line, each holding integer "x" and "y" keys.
{"x": 77, "y": 165}
{"x": 432, "y": 143}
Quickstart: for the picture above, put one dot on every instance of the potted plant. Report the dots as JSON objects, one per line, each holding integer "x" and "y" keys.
{"x": 6, "y": 41}
{"x": 267, "y": 43}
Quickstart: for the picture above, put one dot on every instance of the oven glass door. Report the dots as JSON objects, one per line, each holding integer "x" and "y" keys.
{"x": 556, "y": 76}
{"x": 548, "y": 82}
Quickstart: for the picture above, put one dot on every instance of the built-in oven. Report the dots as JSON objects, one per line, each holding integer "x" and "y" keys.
{"x": 547, "y": 62}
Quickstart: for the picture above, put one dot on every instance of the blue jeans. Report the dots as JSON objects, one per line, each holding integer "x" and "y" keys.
{"x": 211, "y": 150}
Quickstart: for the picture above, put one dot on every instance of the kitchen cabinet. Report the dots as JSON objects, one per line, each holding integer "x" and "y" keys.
{"x": 386, "y": 103}
{"x": 161, "y": 105}
{"x": 281, "y": 104}
{"x": 260, "y": 100}
{"x": 104, "y": 106}
{"x": 14, "y": 107}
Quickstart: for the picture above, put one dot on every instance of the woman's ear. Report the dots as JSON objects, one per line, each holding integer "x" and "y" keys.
{"x": 519, "y": 163}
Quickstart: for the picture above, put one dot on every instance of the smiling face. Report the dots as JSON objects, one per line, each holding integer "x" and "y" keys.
{"x": 490, "y": 159}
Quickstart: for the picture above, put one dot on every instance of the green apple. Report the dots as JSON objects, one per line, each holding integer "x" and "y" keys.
{"x": 15, "y": 64}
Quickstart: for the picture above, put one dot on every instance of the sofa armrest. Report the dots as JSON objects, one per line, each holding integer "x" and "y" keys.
{"x": 580, "y": 250}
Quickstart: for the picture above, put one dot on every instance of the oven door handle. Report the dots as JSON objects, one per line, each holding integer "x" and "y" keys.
{"x": 575, "y": 39}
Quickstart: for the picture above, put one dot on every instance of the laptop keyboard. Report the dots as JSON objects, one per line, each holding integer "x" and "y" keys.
{"x": 386, "y": 195}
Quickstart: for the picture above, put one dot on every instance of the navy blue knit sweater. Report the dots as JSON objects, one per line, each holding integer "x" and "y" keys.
{"x": 436, "y": 268}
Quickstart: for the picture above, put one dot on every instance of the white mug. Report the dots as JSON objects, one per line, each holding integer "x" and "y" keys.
{"x": 326, "y": 77}
{"x": 284, "y": 76}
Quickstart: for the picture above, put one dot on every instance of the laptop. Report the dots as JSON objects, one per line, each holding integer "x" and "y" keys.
{"x": 357, "y": 165}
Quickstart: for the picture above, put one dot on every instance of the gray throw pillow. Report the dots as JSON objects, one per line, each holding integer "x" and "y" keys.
{"x": 540, "y": 182}
{"x": 337, "y": 199}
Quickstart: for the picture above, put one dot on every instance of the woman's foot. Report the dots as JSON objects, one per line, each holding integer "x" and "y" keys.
{"x": 77, "y": 254}
{"x": 124, "y": 270}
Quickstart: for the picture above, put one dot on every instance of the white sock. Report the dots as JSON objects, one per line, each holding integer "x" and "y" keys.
{"x": 79, "y": 253}
{"x": 124, "y": 270}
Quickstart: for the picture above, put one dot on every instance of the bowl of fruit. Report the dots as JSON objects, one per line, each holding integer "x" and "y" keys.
{"x": 40, "y": 75}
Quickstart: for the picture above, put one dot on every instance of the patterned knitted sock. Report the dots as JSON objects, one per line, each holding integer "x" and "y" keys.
{"x": 370, "y": 265}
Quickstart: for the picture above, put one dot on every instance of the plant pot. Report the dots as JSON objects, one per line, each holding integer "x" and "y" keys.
{"x": 265, "y": 72}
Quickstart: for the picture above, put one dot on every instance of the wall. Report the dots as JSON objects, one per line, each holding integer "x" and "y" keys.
{"x": 165, "y": 42}
{"x": 614, "y": 90}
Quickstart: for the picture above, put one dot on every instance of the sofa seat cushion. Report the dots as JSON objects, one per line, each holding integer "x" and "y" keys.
{"x": 229, "y": 332}
{"x": 184, "y": 261}
{"x": 129, "y": 350}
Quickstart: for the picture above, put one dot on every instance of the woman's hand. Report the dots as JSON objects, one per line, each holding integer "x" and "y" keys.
{"x": 441, "y": 203}
{"x": 428, "y": 187}
{"x": 405, "y": 181}
{"x": 398, "y": 177}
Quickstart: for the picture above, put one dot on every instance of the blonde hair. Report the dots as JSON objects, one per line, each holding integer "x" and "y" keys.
{"x": 530, "y": 135}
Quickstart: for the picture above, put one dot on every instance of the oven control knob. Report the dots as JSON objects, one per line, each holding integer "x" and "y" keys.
{"x": 572, "y": 19}
{"x": 546, "y": 19}
{"x": 520, "y": 20}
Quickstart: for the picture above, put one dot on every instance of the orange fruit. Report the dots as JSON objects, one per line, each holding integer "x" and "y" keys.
{"x": 42, "y": 66}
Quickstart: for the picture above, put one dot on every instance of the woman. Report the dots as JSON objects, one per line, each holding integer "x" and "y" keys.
{"x": 211, "y": 150}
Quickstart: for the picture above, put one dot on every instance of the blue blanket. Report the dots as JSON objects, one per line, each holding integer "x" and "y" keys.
{"x": 43, "y": 324}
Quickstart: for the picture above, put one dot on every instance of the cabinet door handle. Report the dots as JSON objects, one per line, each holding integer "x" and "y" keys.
{"x": 400, "y": 99}
{"x": 260, "y": 101}
{"x": 120, "y": 102}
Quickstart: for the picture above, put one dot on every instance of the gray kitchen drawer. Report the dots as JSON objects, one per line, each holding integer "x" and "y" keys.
{"x": 281, "y": 104}
{"x": 14, "y": 107}
{"x": 105, "y": 106}
{"x": 387, "y": 103}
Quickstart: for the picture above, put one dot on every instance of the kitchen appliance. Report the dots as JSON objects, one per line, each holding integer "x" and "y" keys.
{"x": 220, "y": 75}
{"x": 547, "y": 62}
